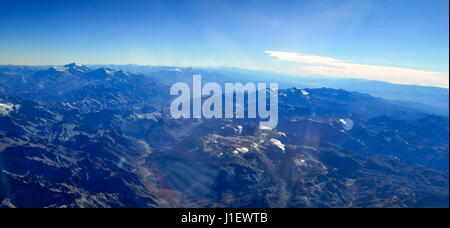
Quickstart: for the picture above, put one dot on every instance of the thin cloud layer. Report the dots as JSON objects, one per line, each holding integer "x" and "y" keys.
{"x": 327, "y": 66}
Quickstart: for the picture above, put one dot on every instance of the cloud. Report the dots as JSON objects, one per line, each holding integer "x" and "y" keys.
{"x": 327, "y": 66}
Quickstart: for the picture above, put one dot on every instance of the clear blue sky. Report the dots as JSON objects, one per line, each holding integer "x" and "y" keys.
{"x": 362, "y": 34}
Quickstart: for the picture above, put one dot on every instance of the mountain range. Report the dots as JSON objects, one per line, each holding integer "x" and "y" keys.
{"x": 102, "y": 136}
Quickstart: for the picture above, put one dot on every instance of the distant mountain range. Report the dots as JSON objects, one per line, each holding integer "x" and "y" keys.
{"x": 430, "y": 99}
{"x": 102, "y": 136}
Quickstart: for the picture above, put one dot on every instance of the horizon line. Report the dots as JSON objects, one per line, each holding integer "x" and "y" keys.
{"x": 224, "y": 66}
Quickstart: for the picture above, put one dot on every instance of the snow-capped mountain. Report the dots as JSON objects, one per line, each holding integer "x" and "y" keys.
{"x": 76, "y": 67}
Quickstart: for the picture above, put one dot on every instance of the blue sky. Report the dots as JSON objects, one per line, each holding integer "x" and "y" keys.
{"x": 401, "y": 41}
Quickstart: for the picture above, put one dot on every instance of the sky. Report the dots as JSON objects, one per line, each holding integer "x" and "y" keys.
{"x": 398, "y": 41}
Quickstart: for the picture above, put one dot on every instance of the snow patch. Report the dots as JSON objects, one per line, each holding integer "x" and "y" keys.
{"x": 299, "y": 162}
{"x": 255, "y": 145}
{"x": 278, "y": 143}
{"x": 239, "y": 127}
{"x": 242, "y": 150}
{"x": 148, "y": 116}
{"x": 6, "y": 109}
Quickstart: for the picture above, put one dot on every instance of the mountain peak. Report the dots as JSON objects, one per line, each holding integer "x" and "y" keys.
{"x": 77, "y": 67}
{"x": 74, "y": 64}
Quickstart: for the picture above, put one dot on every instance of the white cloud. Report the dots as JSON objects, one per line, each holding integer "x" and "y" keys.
{"x": 327, "y": 66}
